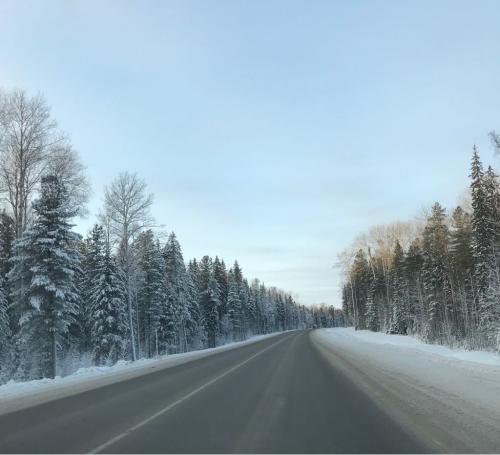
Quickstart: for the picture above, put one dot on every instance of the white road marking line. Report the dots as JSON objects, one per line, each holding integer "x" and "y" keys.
{"x": 180, "y": 400}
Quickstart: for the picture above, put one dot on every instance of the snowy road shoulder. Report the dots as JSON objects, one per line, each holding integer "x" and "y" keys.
{"x": 450, "y": 397}
{"x": 20, "y": 395}
{"x": 409, "y": 344}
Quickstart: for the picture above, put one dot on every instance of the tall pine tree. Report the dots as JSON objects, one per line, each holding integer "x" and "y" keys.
{"x": 44, "y": 275}
{"x": 107, "y": 309}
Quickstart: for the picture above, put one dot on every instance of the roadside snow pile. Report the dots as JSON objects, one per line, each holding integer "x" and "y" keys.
{"x": 18, "y": 395}
{"x": 482, "y": 357}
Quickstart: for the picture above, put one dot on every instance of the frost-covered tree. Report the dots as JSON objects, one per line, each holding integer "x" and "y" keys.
{"x": 372, "y": 317}
{"x": 481, "y": 226}
{"x": 360, "y": 278}
{"x": 194, "y": 325}
{"x": 399, "y": 319}
{"x": 221, "y": 276}
{"x": 211, "y": 314}
{"x": 7, "y": 237}
{"x": 460, "y": 244}
{"x": 27, "y": 133}
{"x": 151, "y": 291}
{"x": 435, "y": 273}
{"x": 127, "y": 211}
{"x": 44, "y": 276}
{"x": 235, "y": 310}
{"x": 107, "y": 308}
{"x": 413, "y": 263}
{"x": 92, "y": 254}
{"x": 280, "y": 312}
{"x": 177, "y": 291}
{"x": 250, "y": 307}
{"x": 268, "y": 309}
{"x": 31, "y": 145}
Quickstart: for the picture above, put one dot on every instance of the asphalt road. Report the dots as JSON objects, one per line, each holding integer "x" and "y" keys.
{"x": 278, "y": 395}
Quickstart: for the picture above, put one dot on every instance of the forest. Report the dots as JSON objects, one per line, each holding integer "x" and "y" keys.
{"x": 120, "y": 293}
{"x": 436, "y": 277}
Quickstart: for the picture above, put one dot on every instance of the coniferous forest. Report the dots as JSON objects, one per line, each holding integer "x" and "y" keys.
{"x": 120, "y": 292}
{"x": 438, "y": 277}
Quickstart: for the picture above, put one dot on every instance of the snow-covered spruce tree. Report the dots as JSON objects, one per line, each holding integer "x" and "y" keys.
{"x": 194, "y": 326}
{"x": 484, "y": 189}
{"x": 290, "y": 313}
{"x": 347, "y": 302}
{"x": 492, "y": 190}
{"x": 210, "y": 314}
{"x": 460, "y": 244}
{"x": 413, "y": 272}
{"x": 250, "y": 308}
{"x": 280, "y": 312}
{"x": 257, "y": 303}
{"x": 7, "y": 237}
{"x": 239, "y": 313}
{"x": 177, "y": 292}
{"x": 269, "y": 309}
{"x": 234, "y": 308}
{"x": 208, "y": 294}
{"x": 92, "y": 251}
{"x": 360, "y": 273}
{"x": 221, "y": 276}
{"x": 481, "y": 226}
{"x": 399, "y": 316}
{"x": 108, "y": 311}
{"x": 435, "y": 273}
{"x": 245, "y": 298}
{"x": 461, "y": 261}
{"x": 151, "y": 291}
{"x": 43, "y": 276}
{"x": 489, "y": 309}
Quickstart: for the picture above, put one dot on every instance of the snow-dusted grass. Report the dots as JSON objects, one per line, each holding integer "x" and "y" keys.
{"x": 413, "y": 344}
{"x": 19, "y": 395}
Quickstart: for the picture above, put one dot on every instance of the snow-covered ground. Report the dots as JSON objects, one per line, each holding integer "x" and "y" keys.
{"x": 413, "y": 344}
{"x": 450, "y": 397}
{"x": 19, "y": 395}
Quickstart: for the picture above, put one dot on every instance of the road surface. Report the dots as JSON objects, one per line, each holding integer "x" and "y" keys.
{"x": 281, "y": 394}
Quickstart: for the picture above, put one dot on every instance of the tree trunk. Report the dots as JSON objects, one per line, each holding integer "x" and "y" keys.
{"x": 53, "y": 365}
{"x": 131, "y": 324}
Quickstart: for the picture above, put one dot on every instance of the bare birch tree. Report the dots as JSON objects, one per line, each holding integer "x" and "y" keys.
{"x": 64, "y": 162}
{"x": 31, "y": 145}
{"x": 127, "y": 210}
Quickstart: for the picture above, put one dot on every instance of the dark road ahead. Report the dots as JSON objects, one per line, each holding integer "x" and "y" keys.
{"x": 276, "y": 395}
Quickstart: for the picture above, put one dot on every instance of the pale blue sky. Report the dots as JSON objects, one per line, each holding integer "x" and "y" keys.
{"x": 269, "y": 131}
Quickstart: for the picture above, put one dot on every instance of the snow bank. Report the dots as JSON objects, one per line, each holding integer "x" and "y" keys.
{"x": 19, "y": 395}
{"x": 449, "y": 397}
{"x": 413, "y": 344}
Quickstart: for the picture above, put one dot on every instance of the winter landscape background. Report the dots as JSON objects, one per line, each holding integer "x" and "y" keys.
{"x": 233, "y": 226}
{"x": 250, "y": 155}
